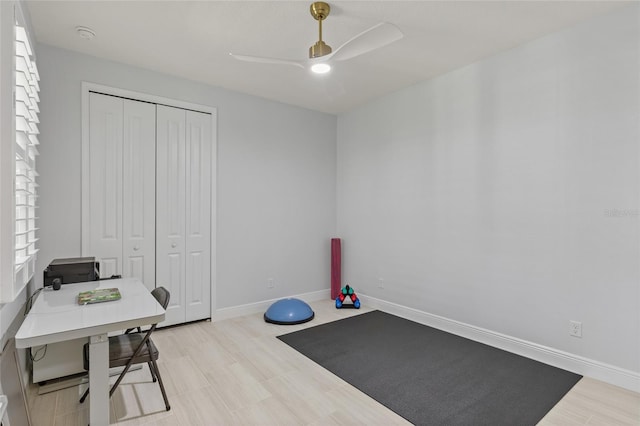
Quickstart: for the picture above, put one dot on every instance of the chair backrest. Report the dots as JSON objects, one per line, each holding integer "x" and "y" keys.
{"x": 162, "y": 295}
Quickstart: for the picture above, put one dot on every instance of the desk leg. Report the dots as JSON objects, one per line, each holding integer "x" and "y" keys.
{"x": 99, "y": 380}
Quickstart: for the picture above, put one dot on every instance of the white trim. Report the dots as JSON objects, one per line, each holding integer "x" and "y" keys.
{"x": 7, "y": 156}
{"x": 213, "y": 211}
{"x": 262, "y": 306}
{"x": 85, "y": 184}
{"x": 88, "y": 87}
{"x": 84, "y": 171}
{"x": 587, "y": 367}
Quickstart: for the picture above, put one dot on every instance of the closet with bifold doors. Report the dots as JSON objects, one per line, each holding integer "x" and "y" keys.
{"x": 147, "y": 197}
{"x": 183, "y": 227}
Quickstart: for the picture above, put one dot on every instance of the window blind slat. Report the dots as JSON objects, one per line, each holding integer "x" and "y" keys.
{"x": 22, "y": 80}
{"x": 21, "y": 37}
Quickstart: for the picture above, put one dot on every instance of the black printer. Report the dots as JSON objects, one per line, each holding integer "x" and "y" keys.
{"x": 72, "y": 270}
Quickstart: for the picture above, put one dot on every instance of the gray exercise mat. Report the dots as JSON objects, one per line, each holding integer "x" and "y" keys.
{"x": 431, "y": 377}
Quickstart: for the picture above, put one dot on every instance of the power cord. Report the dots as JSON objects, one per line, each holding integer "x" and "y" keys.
{"x": 29, "y": 303}
{"x": 28, "y": 306}
{"x": 35, "y": 358}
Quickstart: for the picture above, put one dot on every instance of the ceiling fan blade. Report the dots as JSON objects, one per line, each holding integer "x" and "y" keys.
{"x": 375, "y": 37}
{"x": 262, "y": 60}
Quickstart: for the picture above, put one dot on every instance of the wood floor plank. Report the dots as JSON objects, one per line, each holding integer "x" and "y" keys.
{"x": 181, "y": 375}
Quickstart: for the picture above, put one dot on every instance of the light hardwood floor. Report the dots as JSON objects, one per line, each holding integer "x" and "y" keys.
{"x": 234, "y": 372}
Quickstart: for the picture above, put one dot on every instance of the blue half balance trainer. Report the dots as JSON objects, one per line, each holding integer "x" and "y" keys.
{"x": 289, "y": 311}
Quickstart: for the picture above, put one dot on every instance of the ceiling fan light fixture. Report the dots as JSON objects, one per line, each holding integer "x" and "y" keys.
{"x": 321, "y": 68}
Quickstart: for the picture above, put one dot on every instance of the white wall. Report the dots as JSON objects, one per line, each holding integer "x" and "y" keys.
{"x": 505, "y": 194}
{"x": 275, "y": 177}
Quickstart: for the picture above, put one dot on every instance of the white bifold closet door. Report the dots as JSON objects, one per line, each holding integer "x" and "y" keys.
{"x": 119, "y": 216}
{"x": 183, "y": 212}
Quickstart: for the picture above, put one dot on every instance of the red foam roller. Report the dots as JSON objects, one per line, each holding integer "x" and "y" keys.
{"x": 336, "y": 260}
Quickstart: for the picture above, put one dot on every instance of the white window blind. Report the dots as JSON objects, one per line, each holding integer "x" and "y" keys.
{"x": 26, "y": 142}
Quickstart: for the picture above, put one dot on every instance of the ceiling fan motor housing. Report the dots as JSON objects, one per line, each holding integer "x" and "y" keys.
{"x": 319, "y": 49}
{"x": 319, "y": 10}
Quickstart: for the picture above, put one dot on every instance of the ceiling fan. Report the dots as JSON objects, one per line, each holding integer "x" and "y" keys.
{"x": 321, "y": 55}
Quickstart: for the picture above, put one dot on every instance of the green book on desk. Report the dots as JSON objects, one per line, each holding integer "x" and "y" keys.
{"x": 99, "y": 295}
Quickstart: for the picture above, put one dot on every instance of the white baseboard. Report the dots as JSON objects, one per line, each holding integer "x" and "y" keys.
{"x": 584, "y": 366}
{"x": 262, "y": 306}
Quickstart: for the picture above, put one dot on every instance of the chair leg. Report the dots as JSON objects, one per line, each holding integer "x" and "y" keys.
{"x": 120, "y": 377}
{"x": 115, "y": 385}
{"x": 153, "y": 374}
{"x": 164, "y": 393}
{"x": 84, "y": 395}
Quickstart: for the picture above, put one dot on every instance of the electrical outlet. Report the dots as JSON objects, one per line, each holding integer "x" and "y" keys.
{"x": 575, "y": 328}
{"x": 270, "y": 283}
{"x": 380, "y": 283}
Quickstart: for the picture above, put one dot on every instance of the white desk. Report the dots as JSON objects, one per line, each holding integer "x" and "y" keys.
{"x": 56, "y": 316}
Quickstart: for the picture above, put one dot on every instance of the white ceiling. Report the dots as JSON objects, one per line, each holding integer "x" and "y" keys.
{"x": 193, "y": 40}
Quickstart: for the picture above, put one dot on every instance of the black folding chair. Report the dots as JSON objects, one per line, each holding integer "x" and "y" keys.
{"x": 133, "y": 348}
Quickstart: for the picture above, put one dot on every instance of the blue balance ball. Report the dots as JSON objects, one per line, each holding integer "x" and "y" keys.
{"x": 289, "y": 311}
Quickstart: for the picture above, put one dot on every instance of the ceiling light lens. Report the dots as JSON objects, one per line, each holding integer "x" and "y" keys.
{"x": 321, "y": 68}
